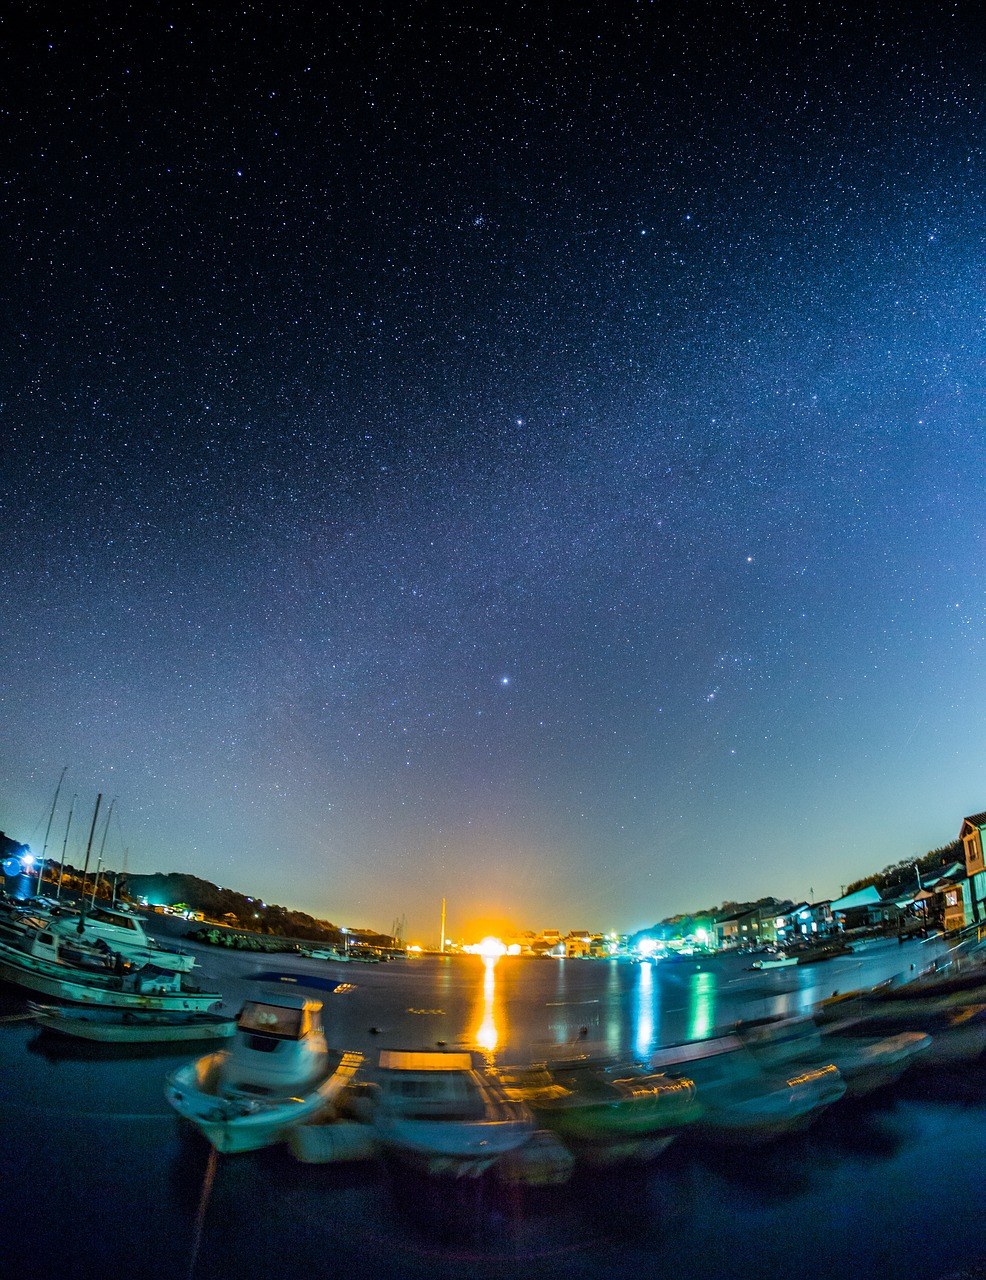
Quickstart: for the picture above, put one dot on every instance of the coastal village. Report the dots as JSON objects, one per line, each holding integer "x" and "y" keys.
{"x": 742, "y": 1067}
{"x": 944, "y": 889}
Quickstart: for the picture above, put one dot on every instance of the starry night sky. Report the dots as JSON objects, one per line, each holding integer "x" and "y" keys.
{"x": 489, "y": 452}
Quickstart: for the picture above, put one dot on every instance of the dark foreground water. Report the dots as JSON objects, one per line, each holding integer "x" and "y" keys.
{"x": 99, "y": 1180}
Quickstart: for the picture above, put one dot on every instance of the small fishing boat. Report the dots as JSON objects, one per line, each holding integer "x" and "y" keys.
{"x": 742, "y": 1103}
{"x": 122, "y": 932}
{"x": 606, "y": 1112}
{"x": 40, "y": 961}
{"x": 278, "y": 1073}
{"x": 131, "y": 1026}
{"x": 866, "y": 1063}
{"x": 435, "y": 1111}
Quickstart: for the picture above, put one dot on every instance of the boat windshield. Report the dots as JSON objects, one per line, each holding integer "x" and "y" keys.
{"x": 112, "y": 917}
{"x": 271, "y": 1020}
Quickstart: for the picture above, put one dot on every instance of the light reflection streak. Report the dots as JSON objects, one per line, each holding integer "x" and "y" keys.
{"x": 614, "y": 1029}
{"x": 703, "y": 1005}
{"x": 644, "y": 1038}
{"x": 487, "y": 1035}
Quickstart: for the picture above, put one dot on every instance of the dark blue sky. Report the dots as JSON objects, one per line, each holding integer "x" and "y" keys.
{"x": 489, "y": 454}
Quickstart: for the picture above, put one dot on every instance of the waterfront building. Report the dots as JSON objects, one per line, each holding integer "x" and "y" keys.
{"x": 971, "y": 835}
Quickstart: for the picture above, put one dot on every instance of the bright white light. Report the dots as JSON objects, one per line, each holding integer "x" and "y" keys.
{"x": 491, "y": 949}
{"x": 646, "y": 946}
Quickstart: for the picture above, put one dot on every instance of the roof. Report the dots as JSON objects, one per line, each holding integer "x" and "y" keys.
{"x": 975, "y": 820}
{"x": 868, "y": 897}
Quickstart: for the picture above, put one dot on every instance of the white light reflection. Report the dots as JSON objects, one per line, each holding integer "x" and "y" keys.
{"x": 644, "y": 1030}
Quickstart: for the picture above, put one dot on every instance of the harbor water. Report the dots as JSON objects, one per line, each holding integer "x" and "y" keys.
{"x": 101, "y": 1180}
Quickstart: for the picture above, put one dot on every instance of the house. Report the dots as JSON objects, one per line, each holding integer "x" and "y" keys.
{"x": 805, "y": 922}
{"x": 746, "y": 928}
{"x": 971, "y": 835}
{"x": 860, "y": 909}
{"x": 953, "y": 894}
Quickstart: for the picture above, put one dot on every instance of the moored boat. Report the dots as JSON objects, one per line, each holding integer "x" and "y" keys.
{"x": 44, "y": 963}
{"x": 435, "y": 1111}
{"x": 606, "y": 1111}
{"x": 866, "y": 1063}
{"x": 278, "y": 1073}
{"x": 131, "y": 1026}
{"x": 741, "y": 1103}
{"x": 122, "y": 932}
{"x": 778, "y": 961}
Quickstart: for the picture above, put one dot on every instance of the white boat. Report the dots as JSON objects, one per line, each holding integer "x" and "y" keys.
{"x": 741, "y": 1102}
{"x": 434, "y": 1110}
{"x": 325, "y": 953}
{"x": 42, "y": 962}
{"x": 131, "y": 1026}
{"x": 778, "y": 961}
{"x": 123, "y": 932}
{"x": 279, "y": 1073}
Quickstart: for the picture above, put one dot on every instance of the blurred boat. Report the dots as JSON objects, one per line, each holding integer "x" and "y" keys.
{"x": 742, "y": 1103}
{"x": 131, "y": 1026}
{"x": 278, "y": 1073}
{"x": 435, "y": 1111}
{"x": 605, "y": 1111}
{"x": 957, "y": 1031}
{"x": 866, "y": 1063}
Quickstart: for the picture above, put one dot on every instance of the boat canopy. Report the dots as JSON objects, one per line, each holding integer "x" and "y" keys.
{"x": 312, "y": 980}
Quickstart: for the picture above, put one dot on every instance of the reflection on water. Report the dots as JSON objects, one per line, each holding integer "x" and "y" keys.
{"x": 702, "y": 1011}
{"x": 487, "y": 1036}
{"x": 644, "y": 1025}
{"x": 614, "y": 1010}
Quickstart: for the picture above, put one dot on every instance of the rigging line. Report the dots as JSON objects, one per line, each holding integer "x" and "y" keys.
{"x": 207, "y": 1180}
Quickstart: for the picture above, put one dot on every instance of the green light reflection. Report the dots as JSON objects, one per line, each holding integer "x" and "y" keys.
{"x": 702, "y": 1010}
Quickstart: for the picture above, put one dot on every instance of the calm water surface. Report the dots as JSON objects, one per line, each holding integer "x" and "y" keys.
{"x": 101, "y": 1181}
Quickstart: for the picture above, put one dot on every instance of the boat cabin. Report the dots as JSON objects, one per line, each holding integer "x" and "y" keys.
{"x": 279, "y": 1045}
{"x": 424, "y": 1085}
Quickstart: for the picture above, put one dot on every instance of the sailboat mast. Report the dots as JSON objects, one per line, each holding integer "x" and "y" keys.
{"x": 51, "y": 818}
{"x": 102, "y": 846}
{"x": 81, "y": 926}
{"x": 61, "y": 869}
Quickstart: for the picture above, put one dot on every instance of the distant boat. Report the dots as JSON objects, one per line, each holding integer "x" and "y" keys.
{"x": 778, "y": 961}
{"x": 325, "y": 953}
{"x": 434, "y": 1110}
{"x": 132, "y": 1026}
{"x": 278, "y": 1073}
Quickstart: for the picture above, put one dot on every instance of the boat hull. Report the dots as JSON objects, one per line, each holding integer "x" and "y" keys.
{"x": 448, "y": 1148}
{"x": 78, "y": 987}
{"x": 104, "y": 1028}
